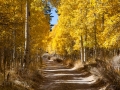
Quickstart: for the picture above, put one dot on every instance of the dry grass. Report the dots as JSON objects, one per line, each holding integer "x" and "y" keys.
{"x": 1, "y": 78}
{"x": 90, "y": 61}
{"x": 77, "y": 65}
{"x": 109, "y": 74}
{"x": 74, "y": 64}
{"x": 68, "y": 62}
{"x": 23, "y": 79}
{"x": 11, "y": 84}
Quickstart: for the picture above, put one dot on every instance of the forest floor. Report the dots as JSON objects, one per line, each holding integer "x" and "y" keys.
{"x": 59, "y": 77}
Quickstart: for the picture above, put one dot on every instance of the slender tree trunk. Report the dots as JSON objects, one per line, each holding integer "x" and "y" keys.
{"x": 82, "y": 50}
{"x": 1, "y": 54}
{"x": 7, "y": 52}
{"x": 14, "y": 48}
{"x": 85, "y": 38}
{"x": 2, "y": 58}
{"x": 102, "y": 26}
{"x": 21, "y": 58}
{"x": 85, "y": 52}
{"x": 4, "y": 62}
{"x": 95, "y": 39}
{"x": 27, "y": 36}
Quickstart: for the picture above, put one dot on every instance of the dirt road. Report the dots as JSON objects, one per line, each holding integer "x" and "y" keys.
{"x": 59, "y": 77}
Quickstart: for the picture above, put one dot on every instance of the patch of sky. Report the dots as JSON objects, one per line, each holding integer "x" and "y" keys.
{"x": 54, "y": 19}
{"x": 52, "y": 11}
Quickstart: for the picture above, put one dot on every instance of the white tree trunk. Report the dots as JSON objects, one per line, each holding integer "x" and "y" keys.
{"x": 14, "y": 49}
{"x": 84, "y": 54}
{"x": 82, "y": 50}
{"x": 27, "y": 35}
{"x": 95, "y": 39}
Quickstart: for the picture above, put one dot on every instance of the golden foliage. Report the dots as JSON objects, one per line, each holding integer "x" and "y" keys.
{"x": 93, "y": 20}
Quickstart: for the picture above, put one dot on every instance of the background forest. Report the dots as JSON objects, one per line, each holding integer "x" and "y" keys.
{"x": 86, "y": 29}
{"x": 90, "y": 26}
